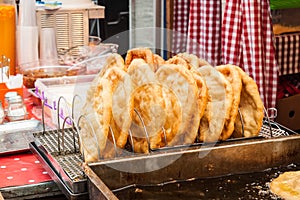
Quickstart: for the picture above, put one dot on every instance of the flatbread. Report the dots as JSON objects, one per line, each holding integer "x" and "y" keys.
{"x": 193, "y": 60}
{"x": 233, "y": 76}
{"x": 157, "y": 104}
{"x": 141, "y": 72}
{"x": 109, "y": 105}
{"x": 287, "y": 185}
{"x": 143, "y": 53}
{"x": 122, "y": 104}
{"x": 178, "y": 61}
{"x": 173, "y": 115}
{"x": 97, "y": 109}
{"x": 219, "y": 107}
{"x": 180, "y": 80}
{"x": 114, "y": 60}
{"x": 251, "y": 108}
{"x": 159, "y": 110}
{"x": 158, "y": 60}
{"x": 202, "y": 92}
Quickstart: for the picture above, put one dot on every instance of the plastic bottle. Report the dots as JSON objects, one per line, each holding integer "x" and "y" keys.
{"x": 8, "y": 32}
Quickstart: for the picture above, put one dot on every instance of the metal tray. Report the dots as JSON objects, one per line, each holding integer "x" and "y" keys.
{"x": 109, "y": 178}
{"x": 15, "y": 136}
{"x": 66, "y": 162}
{"x": 274, "y": 146}
{"x": 56, "y": 177}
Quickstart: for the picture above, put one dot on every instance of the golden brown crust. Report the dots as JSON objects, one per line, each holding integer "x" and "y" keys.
{"x": 203, "y": 62}
{"x": 102, "y": 98}
{"x": 150, "y": 102}
{"x": 178, "y": 61}
{"x": 149, "y": 94}
{"x": 142, "y": 76}
{"x": 233, "y": 76}
{"x": 219, "y": 106}
{"x": 114, "y": 60}
{"x": 142, "y": 53}
{"x": 141, "y": 72}
{"x": 193, "y": 60}
{"x": 175, "y": 98}
{"x": 180, "y": 80}
{"x": 122, "y": 104}
{"x": 202, "y": 91}
{"x": 158, "y": 60}
{"x": 173, "y": 115}
{"x": 287, "y": 185}
{"x": 251, "y": 108}
{"x": 97, "y": 111}
{"x": 108, "y": 104}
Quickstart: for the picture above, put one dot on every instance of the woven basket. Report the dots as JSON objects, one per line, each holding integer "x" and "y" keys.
{"x": 284, "y": 4}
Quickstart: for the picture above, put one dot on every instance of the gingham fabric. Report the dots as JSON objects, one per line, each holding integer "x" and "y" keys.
{"x": 244, "y": 38}
{"x": 288, "y": 53}
{"x": 204, "y": 33}
{"x": 180, "y": 25}
{"x": 247, "y": 42}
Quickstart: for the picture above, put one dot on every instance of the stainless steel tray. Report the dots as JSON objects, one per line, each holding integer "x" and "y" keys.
{"x": 66, "y": 162}
{"x": 276, "y": 145}
{"x": 56, "y": 177}
{"x": 16, "y": 136}
{"x": 108, "y": 178}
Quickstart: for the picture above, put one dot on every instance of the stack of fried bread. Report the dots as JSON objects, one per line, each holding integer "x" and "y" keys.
{"x": 146, "y": 102}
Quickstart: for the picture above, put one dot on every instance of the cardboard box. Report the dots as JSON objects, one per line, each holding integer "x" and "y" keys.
{"x": 286, "y": 20}
{"x": 288, "y": 112}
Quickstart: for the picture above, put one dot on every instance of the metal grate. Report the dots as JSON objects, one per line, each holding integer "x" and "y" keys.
{"x": 272, "y": 130}
{"x": 51, "y": 140}
{"x": 66, "y": 159}
{"x": 71, "y": 164}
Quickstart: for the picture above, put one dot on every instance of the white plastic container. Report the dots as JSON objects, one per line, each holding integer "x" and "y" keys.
{"x": 58, "y": 93}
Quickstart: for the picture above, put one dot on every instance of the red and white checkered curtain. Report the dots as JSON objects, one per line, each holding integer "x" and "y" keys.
{"x": 180, "y": 25}
{"x": 244, "y": 38}
{"x": 204, "y": 32}
{"x": 247, "y": 41}
{"x": 288, "y": 53}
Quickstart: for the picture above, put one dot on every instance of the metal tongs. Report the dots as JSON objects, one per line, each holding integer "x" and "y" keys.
{"x": 4, "y": 68}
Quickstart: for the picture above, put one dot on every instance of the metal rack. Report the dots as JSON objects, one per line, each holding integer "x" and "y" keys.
{"x": 61, "y": 153}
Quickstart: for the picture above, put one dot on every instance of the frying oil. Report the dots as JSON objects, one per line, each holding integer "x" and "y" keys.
{"x": 239, "y": 186}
